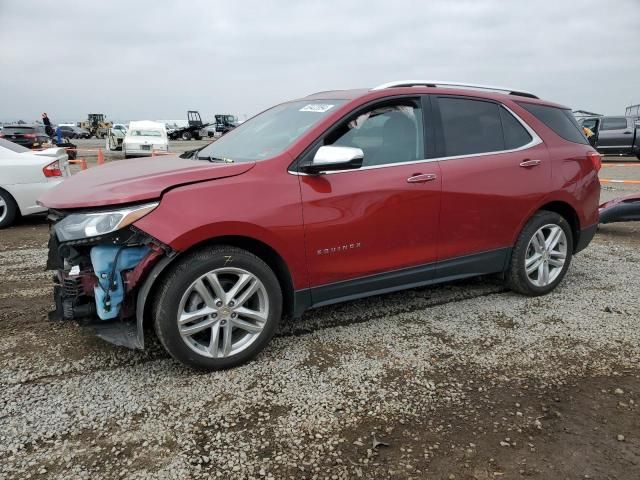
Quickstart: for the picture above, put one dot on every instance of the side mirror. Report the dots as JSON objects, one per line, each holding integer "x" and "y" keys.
{"x": 331, "y": 158}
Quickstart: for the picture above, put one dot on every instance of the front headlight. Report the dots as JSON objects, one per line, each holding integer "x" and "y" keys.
{"x": 85, "y": 225}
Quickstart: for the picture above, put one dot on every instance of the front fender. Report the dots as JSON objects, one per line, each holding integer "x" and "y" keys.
{"x": 143, "y": 295}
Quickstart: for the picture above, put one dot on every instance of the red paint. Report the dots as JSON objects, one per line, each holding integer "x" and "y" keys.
{"x": 336, "y": 227}
{"x": 134, "y": 180}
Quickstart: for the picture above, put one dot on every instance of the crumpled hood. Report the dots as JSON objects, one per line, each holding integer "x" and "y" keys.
{"x": 134, "y": 180}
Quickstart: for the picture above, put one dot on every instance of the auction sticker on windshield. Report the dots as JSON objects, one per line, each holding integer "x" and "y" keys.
{"x": 316, "y": 107}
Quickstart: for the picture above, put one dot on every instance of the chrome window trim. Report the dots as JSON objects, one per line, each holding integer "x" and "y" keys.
{"x": 535, "y": 140}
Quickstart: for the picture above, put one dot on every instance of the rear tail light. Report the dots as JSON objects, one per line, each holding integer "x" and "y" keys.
{"x": 596, "y": 160}
{"x": 52, "y": 170}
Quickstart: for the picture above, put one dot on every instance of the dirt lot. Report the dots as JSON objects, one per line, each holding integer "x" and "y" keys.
{"x": 464, "y": 381}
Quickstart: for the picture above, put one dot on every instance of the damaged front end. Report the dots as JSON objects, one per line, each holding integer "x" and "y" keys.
{"x": 100, "y": 262}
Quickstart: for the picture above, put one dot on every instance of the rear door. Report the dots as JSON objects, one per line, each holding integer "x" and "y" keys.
{"x": 494, "y": 168}
{"x": 615, "y": 135}
{"x": 379, "y": 218}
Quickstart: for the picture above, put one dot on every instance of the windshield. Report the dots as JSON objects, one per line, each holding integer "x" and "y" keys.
{"x": 269, "y": 133}
{"x": 146, "y": 133}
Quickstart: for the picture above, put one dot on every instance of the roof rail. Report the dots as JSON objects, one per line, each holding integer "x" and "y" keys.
{"x": 444, "y": 83}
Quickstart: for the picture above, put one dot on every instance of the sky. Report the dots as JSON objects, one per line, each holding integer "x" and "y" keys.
{"x": 135, "y": 60}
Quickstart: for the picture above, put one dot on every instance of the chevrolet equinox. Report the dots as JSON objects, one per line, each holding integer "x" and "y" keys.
{"x": 332, "y": 197}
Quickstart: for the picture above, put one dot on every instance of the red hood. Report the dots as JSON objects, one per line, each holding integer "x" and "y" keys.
{"x": 134, "y": 180}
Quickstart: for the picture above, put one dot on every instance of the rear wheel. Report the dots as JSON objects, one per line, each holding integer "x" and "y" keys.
{"x": 542, "y": 254}
{"x": 186, "y": 136}
{"x": 8, "y": 209}
{"x": 217, "y": 308}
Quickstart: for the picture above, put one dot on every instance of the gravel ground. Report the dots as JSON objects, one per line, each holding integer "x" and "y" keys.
{"x": 464, "y": 381}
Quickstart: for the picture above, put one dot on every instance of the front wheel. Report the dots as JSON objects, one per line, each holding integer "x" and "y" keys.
{"x": 217, "y": 308}
{"x": 541, "y": 256}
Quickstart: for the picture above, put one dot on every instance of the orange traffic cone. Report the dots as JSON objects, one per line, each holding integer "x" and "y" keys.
{"x": 100, "y": 157}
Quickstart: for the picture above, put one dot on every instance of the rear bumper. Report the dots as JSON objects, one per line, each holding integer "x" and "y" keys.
{"x": 624, "y": 209}
{"x": 585, "y": 237}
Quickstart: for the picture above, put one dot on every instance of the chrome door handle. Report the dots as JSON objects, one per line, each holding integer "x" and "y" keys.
{"x": 422, "y": 178}
{"x": 530, "y": 163}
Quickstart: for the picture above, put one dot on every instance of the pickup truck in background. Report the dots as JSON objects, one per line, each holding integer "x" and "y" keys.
{"x": 614, "y": 135}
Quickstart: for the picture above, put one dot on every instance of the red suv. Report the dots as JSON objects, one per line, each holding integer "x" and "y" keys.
{"x": 336, "y": 196}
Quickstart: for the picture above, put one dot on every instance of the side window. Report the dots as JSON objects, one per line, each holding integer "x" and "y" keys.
{"x": 515, "y": 135}
{"x": 388, "y": 134}
{"x": 590, "y": 123}
{"x": 615, "y": 123}
{"x": 470, "y": 126}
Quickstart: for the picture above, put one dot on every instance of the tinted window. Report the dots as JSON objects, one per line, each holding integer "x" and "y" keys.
{"x": 389, "y": 134}
{"x": 470, "y": 126}
{"x": 515, "y": 135}
{"x": 615, "y": 123}
{"x": 559, "y": 120}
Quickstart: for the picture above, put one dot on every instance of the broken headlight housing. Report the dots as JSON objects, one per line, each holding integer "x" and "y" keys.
{"x": 92, "y": 224}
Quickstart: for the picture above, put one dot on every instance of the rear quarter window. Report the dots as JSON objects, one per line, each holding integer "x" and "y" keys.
{"x": 560, "y": 120}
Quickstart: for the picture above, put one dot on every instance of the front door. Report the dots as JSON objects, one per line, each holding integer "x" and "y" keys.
{"x": 615, "y": 135}
{"x": 377, "y": 219}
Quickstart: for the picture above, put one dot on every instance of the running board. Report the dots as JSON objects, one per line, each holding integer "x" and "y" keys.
{"x": 623, "y": 209}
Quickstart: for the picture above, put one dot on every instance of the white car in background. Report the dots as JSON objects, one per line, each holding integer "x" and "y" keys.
{"x": 26, "y": 174}
{"x": 144, "y": 138}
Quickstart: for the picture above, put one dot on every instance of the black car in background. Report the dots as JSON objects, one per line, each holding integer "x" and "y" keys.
{"x": 29, "y": 136}
{"x": 70, "y": 131}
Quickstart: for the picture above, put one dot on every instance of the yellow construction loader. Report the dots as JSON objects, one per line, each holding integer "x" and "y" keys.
{"x": 96, "y": 124}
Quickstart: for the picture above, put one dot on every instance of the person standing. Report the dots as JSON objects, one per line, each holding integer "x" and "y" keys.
{"x": 47, "y": 125}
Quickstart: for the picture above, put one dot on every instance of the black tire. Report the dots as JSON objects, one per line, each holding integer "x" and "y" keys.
{"x": 638, "y": 156}
{"x": 186, "y": 135}
{"x": 197, "y": 136}
{"x": 9, "y": 211}
{"x": 516, "y": 275}
{"x": 179, "y": 279}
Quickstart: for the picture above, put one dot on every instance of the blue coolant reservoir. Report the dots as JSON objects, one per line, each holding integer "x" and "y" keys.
{"x": 103, "y": 257}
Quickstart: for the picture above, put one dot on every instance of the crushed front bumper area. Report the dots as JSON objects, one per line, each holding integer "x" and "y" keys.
{"x": 96, "y": 282}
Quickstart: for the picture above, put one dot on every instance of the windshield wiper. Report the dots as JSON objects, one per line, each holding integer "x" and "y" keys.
{"x": 216, "y": 159}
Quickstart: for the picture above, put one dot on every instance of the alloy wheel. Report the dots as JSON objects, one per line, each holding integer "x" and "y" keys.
{"x": 546, "y": 255}
{"x": 223, "y": 312}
